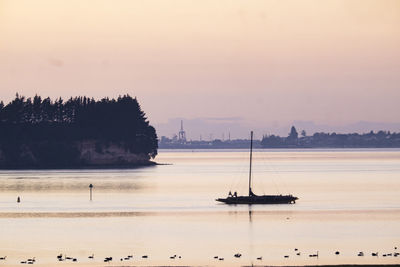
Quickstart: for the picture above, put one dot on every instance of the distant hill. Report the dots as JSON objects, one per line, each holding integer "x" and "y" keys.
{"x": 79, "y": 132}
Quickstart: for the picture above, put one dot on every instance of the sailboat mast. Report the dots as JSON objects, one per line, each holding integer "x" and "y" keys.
{"x": 251, "y": 158}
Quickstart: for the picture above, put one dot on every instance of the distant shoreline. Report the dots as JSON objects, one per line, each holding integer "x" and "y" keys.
{"x": 380, "y": 139}
{"x": 245, "y": 144}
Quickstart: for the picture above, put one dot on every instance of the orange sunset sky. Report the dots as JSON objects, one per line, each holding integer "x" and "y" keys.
{"x": 331, "y": 62}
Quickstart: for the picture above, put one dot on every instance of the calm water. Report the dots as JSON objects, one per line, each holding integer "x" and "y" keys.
{"x": 349, "y": 201}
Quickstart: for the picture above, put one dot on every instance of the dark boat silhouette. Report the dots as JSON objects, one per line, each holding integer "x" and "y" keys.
{"x": 253, "y": 198}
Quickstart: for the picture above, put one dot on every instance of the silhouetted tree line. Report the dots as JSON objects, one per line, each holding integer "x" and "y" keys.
{"x": 50, "y": 129}
{"x": 332, "y": 140}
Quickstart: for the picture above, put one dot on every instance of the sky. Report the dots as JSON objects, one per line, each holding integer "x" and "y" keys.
{"x": 253, "y": 64}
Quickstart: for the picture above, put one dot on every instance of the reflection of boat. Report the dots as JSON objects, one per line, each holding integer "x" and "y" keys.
{"x": 253, "y": 198}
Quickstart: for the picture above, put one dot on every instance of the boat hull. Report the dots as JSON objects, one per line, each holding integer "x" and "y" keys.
{"x": 265, "y": 199}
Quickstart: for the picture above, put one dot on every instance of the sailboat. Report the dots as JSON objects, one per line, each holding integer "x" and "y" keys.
{"x": 253, "y": 198}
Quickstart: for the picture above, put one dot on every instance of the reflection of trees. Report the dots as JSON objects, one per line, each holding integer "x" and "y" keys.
{"x": 45, "y": 185}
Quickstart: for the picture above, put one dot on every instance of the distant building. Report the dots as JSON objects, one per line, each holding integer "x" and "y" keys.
{"x": 182, "y": 134}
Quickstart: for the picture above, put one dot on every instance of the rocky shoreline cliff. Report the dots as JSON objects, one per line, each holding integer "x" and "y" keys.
{"x": 88, "y": 154}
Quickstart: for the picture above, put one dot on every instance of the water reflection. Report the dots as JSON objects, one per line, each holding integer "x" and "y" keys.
{"x": 71, "y": 184}
{"x": 171, "y": 209}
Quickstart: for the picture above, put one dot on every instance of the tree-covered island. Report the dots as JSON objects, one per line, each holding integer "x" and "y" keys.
{"x": 78, "y": 133}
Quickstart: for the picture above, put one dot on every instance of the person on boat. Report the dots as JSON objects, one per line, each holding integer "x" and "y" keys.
{"x": 251, "y": 193}
{"x": 230, "y": 194}
{"x": 235, "y": 194}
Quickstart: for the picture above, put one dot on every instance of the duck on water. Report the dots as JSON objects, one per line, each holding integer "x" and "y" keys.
{"x": 253, "y": 198}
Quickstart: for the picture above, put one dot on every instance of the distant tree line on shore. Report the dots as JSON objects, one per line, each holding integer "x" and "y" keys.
{"x": 51, "y": 128}
{"x": 332, "y": 140}
{"x": 168, "y": 143}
